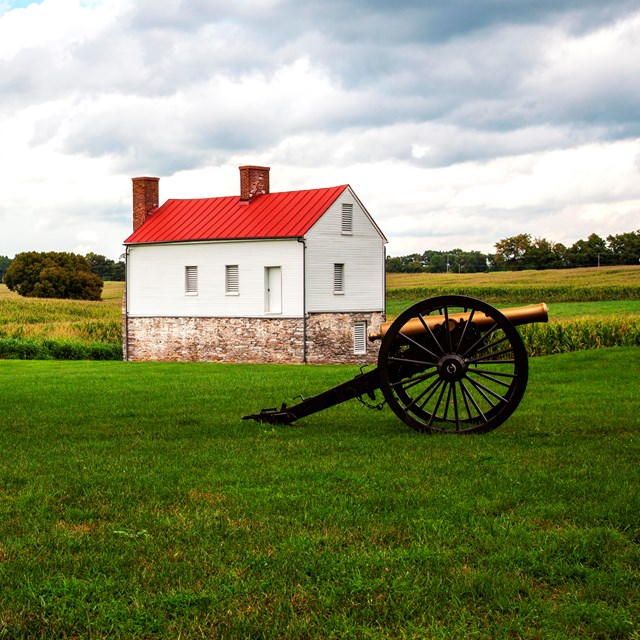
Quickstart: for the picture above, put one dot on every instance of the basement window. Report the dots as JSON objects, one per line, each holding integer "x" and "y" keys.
{"x": 347, "y": 219}
{"x": 338, "y": 278}
{"x": 360, "y": 337}
{"x": 232, "y": 280}
{"x": 191, "y": 281}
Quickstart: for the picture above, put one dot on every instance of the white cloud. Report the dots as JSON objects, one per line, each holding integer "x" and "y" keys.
{"x": 455, "y": 128}
{"x": 591, "y": 78}
{"x": 54, "y": 27}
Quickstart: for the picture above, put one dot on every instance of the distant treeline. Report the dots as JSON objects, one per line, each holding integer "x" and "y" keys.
{"x": 102, "y": 266}
{"x": 521, "y": 252}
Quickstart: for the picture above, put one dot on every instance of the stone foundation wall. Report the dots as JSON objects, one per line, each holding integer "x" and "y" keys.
{"x": 215, "y": 339}
{"x": 330, "y": 338}
{"x": 259, "y": 340}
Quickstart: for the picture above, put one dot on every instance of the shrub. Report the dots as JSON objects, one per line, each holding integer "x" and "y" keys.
{"x": 53, "y": 275}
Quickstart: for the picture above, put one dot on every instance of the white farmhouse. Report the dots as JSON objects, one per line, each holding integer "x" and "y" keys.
{"x": 295, "y": 277}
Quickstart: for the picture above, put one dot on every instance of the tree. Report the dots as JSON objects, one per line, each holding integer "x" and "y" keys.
{"x": 106, "y": 268}
{"x": 625, "y": 247}
{"x": 560, "y": 252}
{"x": 4, "y": 265}
{"x": 521, "y": 252}
{"x": 455, "y": 261}
{"x": 543, "y": 254}
{"x": 473, "y": 262}
{"x": 53, "y": 275}
{"x": 592, "y": 252}
{"x": 394, "y": 264}
{"x": 437, "y": 262}
{"x": 405, "y": 264}
{"x": 118, "y": 271}
{"x": 100, "y": 265}
{"x": 510, "y": 252}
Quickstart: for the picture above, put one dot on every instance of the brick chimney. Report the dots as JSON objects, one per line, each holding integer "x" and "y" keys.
{"x": 254, "y": 181}
{"x": 145, "y": 199}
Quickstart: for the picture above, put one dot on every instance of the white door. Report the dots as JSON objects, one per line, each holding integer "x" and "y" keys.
{"x": 273, "y": 290}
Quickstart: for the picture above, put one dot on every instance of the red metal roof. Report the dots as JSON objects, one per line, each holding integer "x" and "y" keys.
{"x": 272, "y": 215}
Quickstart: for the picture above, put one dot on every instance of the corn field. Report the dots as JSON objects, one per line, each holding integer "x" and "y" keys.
{"x": 75, "y": 329}
{"x": 522, "y": 295}
{"x": 35, "y": 328}
{"x": 580, "y": 335}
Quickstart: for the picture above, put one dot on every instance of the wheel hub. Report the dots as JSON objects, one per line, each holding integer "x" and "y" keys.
{"x": 452, "y": 367}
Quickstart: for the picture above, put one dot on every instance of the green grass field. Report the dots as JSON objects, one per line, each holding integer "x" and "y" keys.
{"x": 135, "y": 503}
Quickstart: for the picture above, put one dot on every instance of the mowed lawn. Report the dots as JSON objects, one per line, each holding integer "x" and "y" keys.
{"x": 135, "y": 503}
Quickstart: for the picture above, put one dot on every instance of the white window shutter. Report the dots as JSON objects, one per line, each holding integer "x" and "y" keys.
{"x": 191, "y": 280}
{"x": 338, "y": 278}
{"x": 360, "y": 337}
{"x": 347, "y": 218}
{"x": 232, "y": 279}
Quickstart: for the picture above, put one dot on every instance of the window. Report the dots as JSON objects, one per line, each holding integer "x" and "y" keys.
{"x": 191, "y": 281}
{"x": 347, "y": 218}
{"x": 338, "y": 278}
{"x": 232, "y": 280}
{"x": 360, "y": 337}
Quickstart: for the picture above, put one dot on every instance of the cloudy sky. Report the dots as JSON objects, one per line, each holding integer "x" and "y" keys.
{"x": 457, "y": 122}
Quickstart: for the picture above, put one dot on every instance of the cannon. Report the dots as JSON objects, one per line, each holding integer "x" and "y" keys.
{"x": 449, "y": 364}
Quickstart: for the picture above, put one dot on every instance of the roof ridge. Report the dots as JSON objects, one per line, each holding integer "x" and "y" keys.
{"x": 271, "y": 193}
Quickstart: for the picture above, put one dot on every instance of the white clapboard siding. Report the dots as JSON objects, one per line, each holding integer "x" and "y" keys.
{"x": 157, "y": 278}
{"x": 361, "y": 252}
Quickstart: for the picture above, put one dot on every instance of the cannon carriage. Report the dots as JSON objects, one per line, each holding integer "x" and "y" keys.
{"x": 449, "y": 364}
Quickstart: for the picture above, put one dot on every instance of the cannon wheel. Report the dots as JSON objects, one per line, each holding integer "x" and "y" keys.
{"x": 467, "y": 379}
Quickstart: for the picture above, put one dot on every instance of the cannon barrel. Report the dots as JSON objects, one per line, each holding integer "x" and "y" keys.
{"x": 516, "y": 315}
